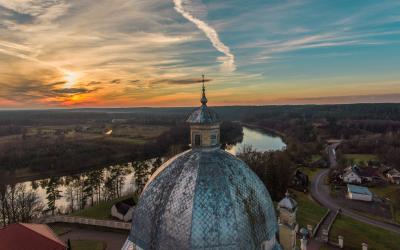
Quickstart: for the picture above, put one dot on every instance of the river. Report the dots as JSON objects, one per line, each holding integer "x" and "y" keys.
{"x": 257, "y": 139}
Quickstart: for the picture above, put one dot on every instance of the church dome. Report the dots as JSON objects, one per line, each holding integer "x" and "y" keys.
{"x": 288, "y": 203}
{"x": 204, "y": 198}
{"x": 203, "y": 115}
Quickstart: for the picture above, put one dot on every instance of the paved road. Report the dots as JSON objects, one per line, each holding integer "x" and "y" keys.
{"x": 331, "y": 150}
{"x": 320, "y": 192}
{"x": 114, "y": 240}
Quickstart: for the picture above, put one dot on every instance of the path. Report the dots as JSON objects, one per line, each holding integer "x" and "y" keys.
{"x": 331, "y": 150}
{"x": 325, "y": 226}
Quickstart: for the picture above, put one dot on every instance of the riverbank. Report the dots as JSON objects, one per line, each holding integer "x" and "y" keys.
{"x": 26, "y": 174}
{"x": 266, "y": 130}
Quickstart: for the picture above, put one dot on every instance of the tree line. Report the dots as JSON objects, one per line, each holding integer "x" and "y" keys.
{"x": 21, "y": 203}
{"x": 274, "y": 168}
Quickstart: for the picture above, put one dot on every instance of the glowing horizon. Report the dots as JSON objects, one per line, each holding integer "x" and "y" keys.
{"x": 130, "y": 53}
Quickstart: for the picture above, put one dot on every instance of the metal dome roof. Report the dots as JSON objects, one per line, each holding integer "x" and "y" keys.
{"x": 204, "y": 199}
{"x": 203, "y": 115}
{"x": 288, "y": 202}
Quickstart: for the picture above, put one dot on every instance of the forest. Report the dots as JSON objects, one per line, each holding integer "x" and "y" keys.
{"x": 50, "y": 140}
{"x": 38, "y": 144}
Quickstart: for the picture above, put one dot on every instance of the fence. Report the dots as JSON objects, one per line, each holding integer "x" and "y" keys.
{"x": 87, "y": 221}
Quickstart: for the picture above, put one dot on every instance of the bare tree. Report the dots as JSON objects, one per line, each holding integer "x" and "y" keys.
{"x": 17, "y": 204}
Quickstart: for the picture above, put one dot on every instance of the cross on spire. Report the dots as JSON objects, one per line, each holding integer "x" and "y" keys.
{"x": 203, "y": 97}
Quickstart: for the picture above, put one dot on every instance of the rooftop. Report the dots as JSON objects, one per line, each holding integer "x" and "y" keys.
{"x": 288, "y": 202}
{"x": 358, "y": 189}
{"x": 29, "y": 237}
{"x": 124, "y": 206}
{"x": 203, "y": 115}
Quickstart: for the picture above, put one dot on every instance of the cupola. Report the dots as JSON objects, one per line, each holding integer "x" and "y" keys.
{"x": 204, "y": 125}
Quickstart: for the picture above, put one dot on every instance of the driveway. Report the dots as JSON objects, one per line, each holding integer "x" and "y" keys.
{"x": 320, "y": 192}
{"x": 114, "y": 240}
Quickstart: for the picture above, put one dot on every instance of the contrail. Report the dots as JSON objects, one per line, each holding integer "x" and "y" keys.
{"x": 228, "y": 61}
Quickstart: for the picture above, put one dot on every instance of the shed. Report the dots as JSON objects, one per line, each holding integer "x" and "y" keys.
{"x": 123, "y": 210}
{"x": 358, "y": 193}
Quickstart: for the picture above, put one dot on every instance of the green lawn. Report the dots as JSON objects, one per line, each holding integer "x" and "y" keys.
{"x": 99, "y": 211}
{"x": 309, "y": 212}
{"x": 357, "y": 158}
{"x": 88, "y": 245}
{"x": 355, "y": 233}
{"x": 388, "y": 192}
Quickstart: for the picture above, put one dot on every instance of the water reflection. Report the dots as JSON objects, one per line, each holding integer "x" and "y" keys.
{"x": 87, "y": 188}
{"x": 71, "y": 193}
{"x": 257, "y": 140}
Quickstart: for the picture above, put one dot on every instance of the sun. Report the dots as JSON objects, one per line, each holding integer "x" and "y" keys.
{"x": 70, "y": 78}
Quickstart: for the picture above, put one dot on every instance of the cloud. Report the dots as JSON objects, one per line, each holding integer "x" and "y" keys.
{"x": 158, "y": 48}
{"x": 74, "y": 90}
{"x": 115, "y": 81}
{"x": 228, "y": 61}
{"x": 93, "y": 83}
{"x": 179, "y": 81}
{"x": 44, "y": 10}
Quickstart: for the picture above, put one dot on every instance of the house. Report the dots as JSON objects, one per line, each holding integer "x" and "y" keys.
{"x": 358, "y": 193}
{"x": 368, "y": 174}
{"x": 29, "y": 237}
{"x": 351, "y": 175}
{"x": 394, "y": 176}
{"x": 123, "y": 210}
{"x": 300, "y": 180}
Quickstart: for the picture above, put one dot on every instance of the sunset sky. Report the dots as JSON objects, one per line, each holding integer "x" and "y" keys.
{"x": 127, "y": 53}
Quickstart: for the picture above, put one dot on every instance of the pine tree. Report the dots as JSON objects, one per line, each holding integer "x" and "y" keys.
{"x": 53, "y": 194}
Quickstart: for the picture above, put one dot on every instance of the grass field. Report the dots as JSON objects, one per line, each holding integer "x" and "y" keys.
{"x": 356, "y": 232}
{"x": 357, "y": 158}
{"x": 388, "y": 193}
{"x": 88, "y": 245}
{"x": 309, "y": 212}
{"x": 125, "y": 140}
{"x": 100, "y": 211}
{"x": 139, "y": 131}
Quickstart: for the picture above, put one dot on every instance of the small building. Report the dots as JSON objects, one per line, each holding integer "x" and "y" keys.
{"x": 287, "y": 209}
{"x": 123, "y": 210}
{"x": 29, "y": 237}
{"x": 393, "y": 176}
{"x": 358, "y": 193}
{"x": 351, "y": 175}
{"x": 300, "y": 180}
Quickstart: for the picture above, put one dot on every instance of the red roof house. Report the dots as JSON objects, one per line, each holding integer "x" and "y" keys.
{"x": 21, "y": 236}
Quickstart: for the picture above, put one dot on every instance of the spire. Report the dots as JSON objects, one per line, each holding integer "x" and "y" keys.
{"x": 203, "y": 97}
